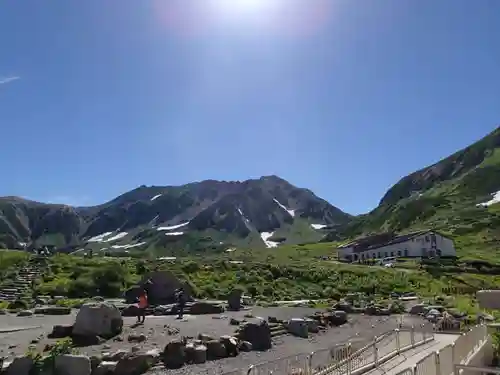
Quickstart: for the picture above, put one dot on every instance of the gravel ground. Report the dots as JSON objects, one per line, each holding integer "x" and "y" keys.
{"x": 156, "y": 329}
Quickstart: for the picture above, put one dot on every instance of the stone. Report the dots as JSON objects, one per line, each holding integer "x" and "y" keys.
{"x": 98, "y": 319}
{"x": 136, "y": 338}
{"x": 20, "y": 366}
{"x": 205, "y": 337}
{"x": 418, "y": 309}
{"x": 234, "y": 322}
{"x": 95, "y": 361}
{"x": 234, "y": 300}
{"x": 25, "y": 313}
{"x": 60, "y": 331}
{"x": 116, "y": 356}
{"x": 69, "y": 364}
{"x": 338, "y": 318}
{"x": 258, "y": 333}
{"x": 136, "y": 363}
{"x": 215, "y": 349}
{"x": 312, "y": 325}
{"x": 231, "y": 344}
{"x": 246, "y": 346}
{"x": 105, "y": 368}
{"x": 201, "y": 307}
{"x": 174, "y": 354}
{"x": 298, "y": 327}
{"x": 342, "y": 306}
{"x": 273, "y": 319}
{"x": 53, "y": 310}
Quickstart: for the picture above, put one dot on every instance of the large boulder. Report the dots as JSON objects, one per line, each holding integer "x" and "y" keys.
{"x": 234, "y": 300}
{"x": 215, "y": 349}
{"x": 20, "y": 366}
{"x": 136, "y": 363}
{"x": 201, "y": 307}
{"x": 298, "y": 327}
{"x": 342, "y": 306}
{"x": 338, "y": 318}
{"x": 418, "y": 309}
{"x": 160, "y": 286}
{"x": 257, "y": 332}
{"x": 68, "y": 364}
{"x": 174, "y": 354}
{"x": 231, "y": 345}
{"x": 98, "y": 319}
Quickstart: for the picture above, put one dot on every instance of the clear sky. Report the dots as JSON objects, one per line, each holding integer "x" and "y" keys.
{"x": 343, "y": 97}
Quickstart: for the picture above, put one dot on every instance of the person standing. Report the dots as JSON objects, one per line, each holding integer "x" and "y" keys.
{"x": 181, "y": 302}
{"x": 142, "y": 305}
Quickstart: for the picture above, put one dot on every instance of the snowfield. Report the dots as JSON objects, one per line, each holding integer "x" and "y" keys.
{"x": 290, "y": 212}
{"x": 173, "y": 226}
{"x": 116, "y": 237}
{"x": 174, "y": 234}
{"x": 100, "y": 237}
{"x": 265, "y": 236}
{"x": 156, "y": 197}
{"x": 318, "y": 226}
{"x": 495, "y": 199}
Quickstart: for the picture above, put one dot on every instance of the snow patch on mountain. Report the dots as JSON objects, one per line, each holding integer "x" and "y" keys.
{"x": 290, "y": 212}
{"x": 116, "y": 237}
{"x": 318, "y": 226}
{"x": 172, "y": 227}
{"x": 174, "y": 234}
{"x": 495, "y": 199}
{"x": 265, "y": 236}
{"x": 100, "y": 237}
{"x": 156, "y": 197}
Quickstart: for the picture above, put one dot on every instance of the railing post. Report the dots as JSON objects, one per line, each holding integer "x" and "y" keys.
{"x": 422, "y": 326}
{"x": 398, "y": 342}
{"x": 453, "y": 353}
{"x": 375, "y": 351}
{"x": 412, "y": 336}
{"x": 250, "y": 370}
{"x": 309, "y": 364}
{"x": 438, "y": 363}
{"x": 349, "y": 364}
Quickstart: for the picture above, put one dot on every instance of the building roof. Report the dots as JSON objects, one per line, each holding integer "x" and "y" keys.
{"x": 381, "y": 240}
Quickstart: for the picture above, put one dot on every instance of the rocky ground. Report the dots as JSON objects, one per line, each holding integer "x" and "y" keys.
{"x": 160, "y": 330}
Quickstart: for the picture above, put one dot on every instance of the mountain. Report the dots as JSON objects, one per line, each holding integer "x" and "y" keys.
{"x": 457, "y": 195}
{"x": 197, "y": 216}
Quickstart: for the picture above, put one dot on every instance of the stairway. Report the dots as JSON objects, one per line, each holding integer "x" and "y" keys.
{"x": 21, "y": 284}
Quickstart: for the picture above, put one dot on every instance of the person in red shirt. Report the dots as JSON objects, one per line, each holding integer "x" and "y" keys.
{"x": 142, "y": 305}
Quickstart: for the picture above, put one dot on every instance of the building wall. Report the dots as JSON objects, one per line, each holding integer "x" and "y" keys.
{"x": 423, "y": 245}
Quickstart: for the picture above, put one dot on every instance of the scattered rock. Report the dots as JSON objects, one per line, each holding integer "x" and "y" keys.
{"x": 245, "y": 346}
{"x": 257, "y": 332}
{"x": 105, "y": 368}
{"x": 338, "y": 318}
{"x": 35, "y": 341}
{"x": 231, "y": 345}
{"x": 136, "y": 363}
{"x": 98, "y": 319}
{"x": 95, "y": 361}
{"x": 298, "y": 327}
{"x": 118, "y": 339}
{"x": 312, "y": 325}
{"x": 53, "y": 310}
{"x": 20, "y": 366}
{"x": 69, "y": 364}
{"x": 136, "y": 338}
{"x": 215, "y": 349}
{"x": 418, "y": 309}
{"x": 24, "y": 313}
{"x": 234, "y": 322}
{"x": 174, "y": 354}
{"x": 205, "y": 337}
{"x": 342, "y": 306}
{"x": 273, "y": 319}
{"x": 60, "y": 331}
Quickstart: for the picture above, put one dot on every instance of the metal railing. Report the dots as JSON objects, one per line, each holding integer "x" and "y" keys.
{"x": 470, "y": 370}
{"x": 348, "y": 358}
{"x": 444, "y": 361}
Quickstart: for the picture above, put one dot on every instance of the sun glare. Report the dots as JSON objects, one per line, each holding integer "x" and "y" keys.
{"x": 243, "y": 8}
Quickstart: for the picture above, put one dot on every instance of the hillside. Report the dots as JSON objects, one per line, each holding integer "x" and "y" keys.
{"x": 207, "y": 215}
{"x": 455, "y": 195}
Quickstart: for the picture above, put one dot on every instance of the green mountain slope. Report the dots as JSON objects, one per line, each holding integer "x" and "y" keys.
{"x": 455, "y": 195}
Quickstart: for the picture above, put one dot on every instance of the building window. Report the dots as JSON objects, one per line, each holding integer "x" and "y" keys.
{"x": 373, "y": 255}
{"x": 355, "y": 257}
{"x": 399, "y": 253}
{"x": 379, "y": 254}
{"x": 386, "y": 254}
{"x": 392, "y": 253}
{"x": 438, "y": 252}
{"x": 406, "y": 252}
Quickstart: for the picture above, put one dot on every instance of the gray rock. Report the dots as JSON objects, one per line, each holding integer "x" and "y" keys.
{"x": 174, "y": 354}
{"x": 136, "y": 363}
{"x": 418, "y": 309}
{"x": 298, "y": 327}
{"x": 25, "y": 313}
{"x": 60, "y": 331}
{"x": 20, "y": 366}
{"x": 231, "y": 344}
{"x": 258, "y": 333}
{"x": 98, "y": 319}
{"x": 215, "y": 349}
{"x": 69, "y": 364}
{"x": 105, "y": 368}
{"x": 234, "y": 300}
{"x": 246, "y": 346}
{"x": 312, "y": 325}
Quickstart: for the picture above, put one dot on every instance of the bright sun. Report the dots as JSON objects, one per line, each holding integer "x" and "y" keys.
{"x": 233, "y": 8}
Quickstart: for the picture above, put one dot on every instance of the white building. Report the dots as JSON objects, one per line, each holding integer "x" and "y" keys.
{"x": 417, "y": 244}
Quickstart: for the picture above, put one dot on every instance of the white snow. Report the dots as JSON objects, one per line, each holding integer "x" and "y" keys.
{"x": 100, "y": 237}
{"x": 116, "y": 237}
{"x": 290, "y": 212}
{"x": 318, "y": 226}
{"x": 265, "y": 236}
{"x": 495, "y": 199}
{"x": 129, "y": 246}
{"x": 173, "y": 226}
{"x": 156, "y": 197}
{"x": 174, "y": 234}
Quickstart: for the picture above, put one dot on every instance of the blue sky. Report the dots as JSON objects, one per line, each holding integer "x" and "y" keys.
{"x": 343, "y": 97}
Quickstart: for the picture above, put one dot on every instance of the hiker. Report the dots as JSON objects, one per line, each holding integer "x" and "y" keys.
{"x": 181, "y": 302}
{"x": 142, "y": 305}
